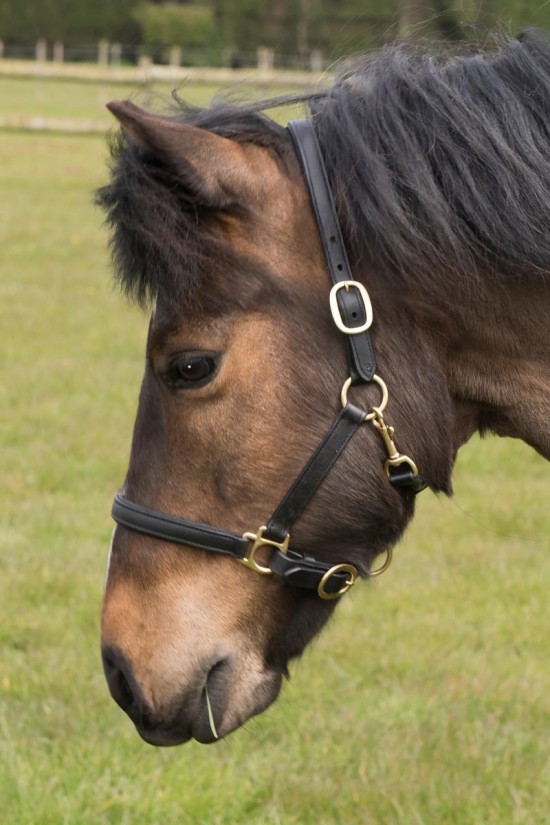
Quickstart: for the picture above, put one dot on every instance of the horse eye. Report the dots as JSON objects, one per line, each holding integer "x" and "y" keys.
{"x": 186, "y": 371}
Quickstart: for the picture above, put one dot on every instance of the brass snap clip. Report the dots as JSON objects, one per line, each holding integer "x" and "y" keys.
{"x": 395, "y": 458}
{"x": 259, "y": 541}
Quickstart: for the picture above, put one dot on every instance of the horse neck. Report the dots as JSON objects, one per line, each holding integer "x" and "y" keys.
{"x": 492, "y": 339}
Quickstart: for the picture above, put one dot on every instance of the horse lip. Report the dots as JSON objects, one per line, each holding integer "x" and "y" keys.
{"x": 166, "y": 737}
{"x": 202, "y": 732}
{"x": 197, "y": 725}
{"x": 201, "y": 729}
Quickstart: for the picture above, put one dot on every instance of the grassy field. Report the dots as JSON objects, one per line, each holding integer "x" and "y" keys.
{"x": 62, "y": 98}
{"x": 426, "y": 701}
{"x": 70, "y": 99}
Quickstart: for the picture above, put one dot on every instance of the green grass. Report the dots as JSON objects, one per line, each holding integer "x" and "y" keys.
{"x": 64, "y": 98}
{"x": 80, "y": 100}
{"x": 425, "y": 702}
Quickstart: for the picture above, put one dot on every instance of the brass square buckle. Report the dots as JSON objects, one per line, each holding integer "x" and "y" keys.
{"x": 335, "y": 309}
{"x": 259, "y": 541}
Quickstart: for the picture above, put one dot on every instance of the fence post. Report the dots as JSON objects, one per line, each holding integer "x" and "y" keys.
{"x": 103, "y": 52}
{"x": 58, "y": 52}
{"x": 41, "y": 51}
{"x": 174, "y": 56}
{"x": 316, "y": 60}
{"x": 265, "y": 59}
{"x": 116, "y": 54}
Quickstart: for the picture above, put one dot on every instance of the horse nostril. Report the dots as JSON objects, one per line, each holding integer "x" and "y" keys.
{"x": 216, "y": 682}
{"x": 219, "y": 665}
{"x": 126, "y": 695}
{"x": 216, "y": 673}
{"x": 122, "y": 687}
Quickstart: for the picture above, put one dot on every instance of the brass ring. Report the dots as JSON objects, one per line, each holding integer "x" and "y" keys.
{"x": 348, "y": 568}
{"x": 387, "y": 562}
{"x": 381, "y": 407}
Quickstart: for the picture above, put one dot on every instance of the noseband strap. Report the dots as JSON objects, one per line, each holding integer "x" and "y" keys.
{"x": 352, "y": 313}
{"x": 177, "y": 530}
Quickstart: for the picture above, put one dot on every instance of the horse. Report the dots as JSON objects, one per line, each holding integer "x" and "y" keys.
{"x": 430, "y": 172}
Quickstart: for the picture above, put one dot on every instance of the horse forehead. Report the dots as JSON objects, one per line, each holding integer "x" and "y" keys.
{"x": 275, "y": 184}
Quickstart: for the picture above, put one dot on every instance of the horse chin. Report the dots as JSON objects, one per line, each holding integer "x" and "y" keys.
{"x": 163, "y": 738}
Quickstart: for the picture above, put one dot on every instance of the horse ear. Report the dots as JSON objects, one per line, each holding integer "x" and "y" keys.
{"x": 211, "y": 167}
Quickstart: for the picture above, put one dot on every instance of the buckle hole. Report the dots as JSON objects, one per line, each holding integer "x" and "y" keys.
{"x": 340, "y": 267}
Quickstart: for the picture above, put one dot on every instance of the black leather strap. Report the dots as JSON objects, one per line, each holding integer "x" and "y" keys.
{"x": 360, "y": 352}
{"x": 178, "y": 530}
{"x": 297, "y": 570}
{"x": 311, "y": 477}
{"x": 304, "y": 571}
{"x": 403, "y": 477}
{"x": 362, "y": 363}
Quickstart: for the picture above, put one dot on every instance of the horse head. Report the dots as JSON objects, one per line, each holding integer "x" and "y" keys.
{"x": 214, "y": 226}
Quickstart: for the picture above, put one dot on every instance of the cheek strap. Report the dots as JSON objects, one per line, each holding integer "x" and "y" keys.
{"x": 296, "y": 569}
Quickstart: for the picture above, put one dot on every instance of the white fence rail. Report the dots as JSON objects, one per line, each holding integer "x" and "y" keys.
{"x": 116, "y": 54}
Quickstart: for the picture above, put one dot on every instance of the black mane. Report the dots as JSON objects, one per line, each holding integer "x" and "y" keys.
{"x": 439, "y": 163}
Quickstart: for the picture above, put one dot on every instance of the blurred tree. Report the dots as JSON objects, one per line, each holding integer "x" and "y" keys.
{"x": 335, "y": 26}
{"x": 241, "y": 23}
{"x": 302, "y": 25}
{"x": 182, "y": 24}
{"x": 436, "y": 18}
{"x": 71, "y": 21}
{"x": 349, "y": 26}
{"x": 415, "y": 16}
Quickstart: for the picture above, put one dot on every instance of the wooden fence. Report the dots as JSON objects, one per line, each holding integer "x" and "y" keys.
{"x": 109, "y": 70}
{"x": 115, "y": 55}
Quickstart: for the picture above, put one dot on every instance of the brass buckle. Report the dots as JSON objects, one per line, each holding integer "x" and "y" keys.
{"x": 348, "y": 568}
{"x": 335, "y": 309}
{"x": 259, "y": 541}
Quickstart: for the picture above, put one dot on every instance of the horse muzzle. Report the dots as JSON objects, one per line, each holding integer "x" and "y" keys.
{"x": 211, "y": 701}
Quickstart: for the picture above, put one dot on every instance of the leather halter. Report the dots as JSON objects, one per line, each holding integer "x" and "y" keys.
{"x": 352, "y": 313}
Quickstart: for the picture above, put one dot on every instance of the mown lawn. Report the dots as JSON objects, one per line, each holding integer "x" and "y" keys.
{"x": 426, "y": 701}
{"x": 86, "y": 101}
{"x": 74, "y": 99}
